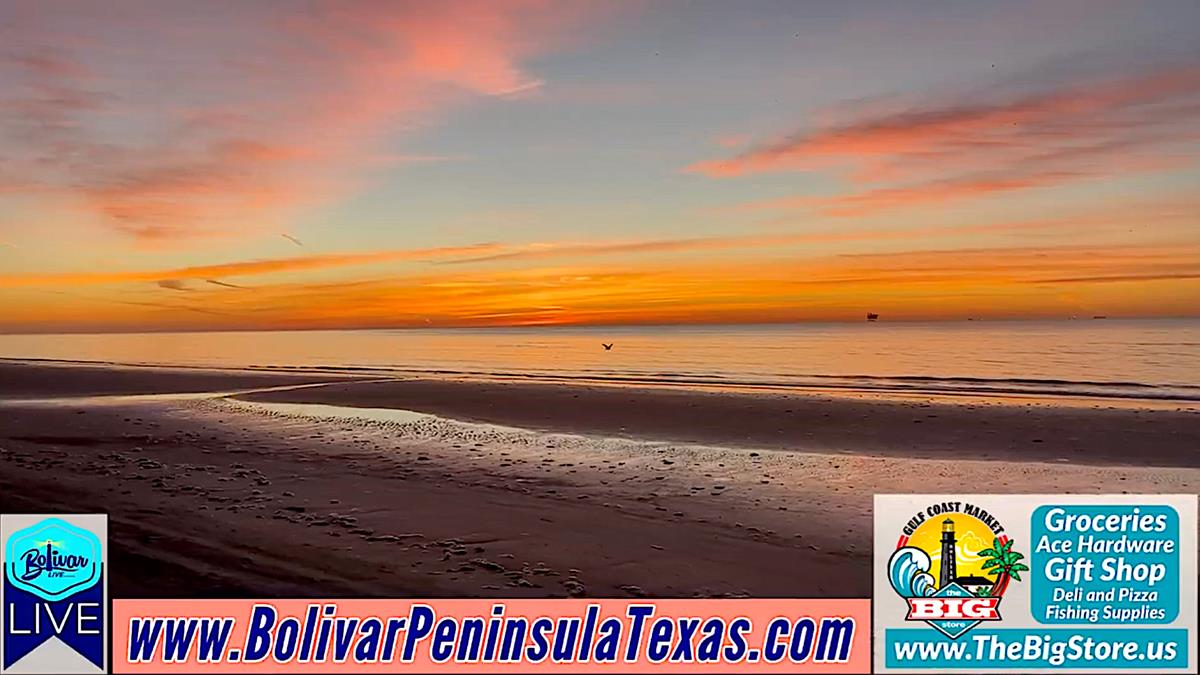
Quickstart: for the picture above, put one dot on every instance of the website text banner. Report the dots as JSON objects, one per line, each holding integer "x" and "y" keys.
{"x": 1035, "y": 583}
{"x": 490, "y": 636}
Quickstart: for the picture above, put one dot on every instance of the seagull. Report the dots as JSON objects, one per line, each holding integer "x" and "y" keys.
{"x": 607, "y": 347}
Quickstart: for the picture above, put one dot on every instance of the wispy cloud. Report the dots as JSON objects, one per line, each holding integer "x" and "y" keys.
{"x": 986, "y": 144}
{"x": 223, "y": 284}
{"x": 174, "y": 277}
{"x": 1122, "y": 278}
{"x": 283, "y": 106}
{"x": 933, "y": 283}
{"x": 1171, "y": 215}
{"x": 919, "y": 283}
{"x": 175, "y": 284}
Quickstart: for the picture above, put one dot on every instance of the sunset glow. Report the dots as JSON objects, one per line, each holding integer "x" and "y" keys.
{"x": 278, "y": 165}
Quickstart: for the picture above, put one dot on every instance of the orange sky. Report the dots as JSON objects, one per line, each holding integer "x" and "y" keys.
{"x": 525, "y": 163}
{"x": 575, "y": 285}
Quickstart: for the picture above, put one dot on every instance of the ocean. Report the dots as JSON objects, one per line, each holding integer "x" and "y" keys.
{"x": 1119, "y": 360}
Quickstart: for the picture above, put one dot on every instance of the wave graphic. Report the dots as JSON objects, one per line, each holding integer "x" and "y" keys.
{"x": 908, "y": 572}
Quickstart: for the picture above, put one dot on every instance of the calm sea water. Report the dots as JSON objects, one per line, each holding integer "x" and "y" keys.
{"x": 1118, "y": 359}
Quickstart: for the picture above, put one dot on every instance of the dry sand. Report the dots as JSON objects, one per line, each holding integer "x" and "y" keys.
{"x": 604, "y": 492}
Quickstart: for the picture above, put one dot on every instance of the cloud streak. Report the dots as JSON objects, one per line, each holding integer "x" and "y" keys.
{"x": 176, "y": 278}
{"x": 223, "y": 284}
{"x": 1171, "y": 215}
{"x": 996, "y": 281}
{"x": 175, "y": 284}
{"x": 288, "y": 116}
{"x": 935, "y": 283}
{"x": 985, "y": 145}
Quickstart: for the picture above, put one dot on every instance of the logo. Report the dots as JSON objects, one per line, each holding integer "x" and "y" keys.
{"x": 53, "y": 559}
{"x": 53, "y": 595}
{"x": 952, "y": 564}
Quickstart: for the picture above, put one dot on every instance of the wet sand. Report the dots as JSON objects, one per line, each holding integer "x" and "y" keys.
{"x": 32, "y": 379}
{"x": 1016, "y": 429}
{"x": 583, "y": 491}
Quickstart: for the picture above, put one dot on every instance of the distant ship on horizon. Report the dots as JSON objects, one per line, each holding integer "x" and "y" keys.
{"x": 871, "y": 316}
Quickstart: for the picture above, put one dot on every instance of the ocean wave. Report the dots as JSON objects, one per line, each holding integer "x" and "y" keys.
{"x": 908, "y": 385}
{"x": 878, "y": 384}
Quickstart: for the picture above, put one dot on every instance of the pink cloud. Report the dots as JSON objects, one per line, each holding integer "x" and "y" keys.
{"x": 180, "y": 126}
{"x": 1082, "y": 112}
{"x": 985, "y": 145}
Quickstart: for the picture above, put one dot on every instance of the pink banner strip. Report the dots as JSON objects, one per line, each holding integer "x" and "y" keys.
{"x": 491, "y": 636}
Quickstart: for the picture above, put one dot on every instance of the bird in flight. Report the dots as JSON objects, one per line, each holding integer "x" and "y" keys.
{"x": 607, "y": 347}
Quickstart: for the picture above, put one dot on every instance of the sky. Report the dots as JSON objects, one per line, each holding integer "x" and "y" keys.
{"x": 172, "y": 165}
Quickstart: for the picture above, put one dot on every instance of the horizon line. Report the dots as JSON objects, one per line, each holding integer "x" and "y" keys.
{"x": 568, "y": 326}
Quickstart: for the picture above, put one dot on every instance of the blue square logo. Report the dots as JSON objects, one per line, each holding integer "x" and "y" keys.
{"x": 53, "y": 559}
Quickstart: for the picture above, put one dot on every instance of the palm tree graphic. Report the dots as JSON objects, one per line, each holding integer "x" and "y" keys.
{"x": 1002, "y": 561}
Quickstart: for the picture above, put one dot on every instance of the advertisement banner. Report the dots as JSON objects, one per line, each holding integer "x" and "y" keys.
{"x": 1069, "y": 583}
{"x": 489, "y": 636}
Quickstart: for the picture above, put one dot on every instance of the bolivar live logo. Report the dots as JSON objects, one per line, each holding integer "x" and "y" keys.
{"x": 54, "y": 594}
{"x": 943, "y": 566}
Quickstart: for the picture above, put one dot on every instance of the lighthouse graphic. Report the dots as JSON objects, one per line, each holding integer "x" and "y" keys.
{"x": 949, "y": 555}
{"x": 928, "y": 565}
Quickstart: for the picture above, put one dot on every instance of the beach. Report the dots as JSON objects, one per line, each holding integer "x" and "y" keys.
{"x": 309, "y": 484}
